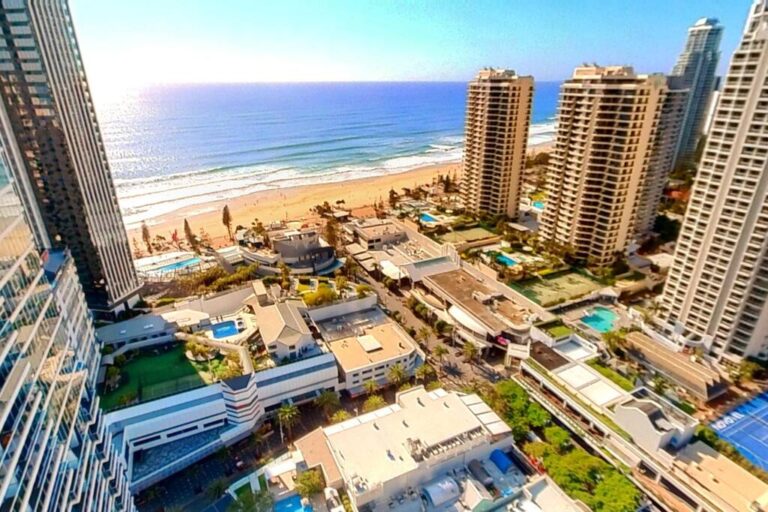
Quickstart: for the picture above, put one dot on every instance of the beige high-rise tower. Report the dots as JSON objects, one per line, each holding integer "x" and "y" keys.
{"x": 599, "y": 181}
{"x": 716, "y": 295}
{"x": 495, "y": 141}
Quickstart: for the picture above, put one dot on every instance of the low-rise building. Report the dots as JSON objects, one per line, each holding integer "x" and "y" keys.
{"x": 643, "y": 431}
{"x": 376, "y": 234}
{"x": 430, "y": 450}
{"x": 302, "y": 250}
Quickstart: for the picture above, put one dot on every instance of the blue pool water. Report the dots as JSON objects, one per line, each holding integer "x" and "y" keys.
{"x": 224, "y": 329}
{"x": 176, "y": 265}
{"x": 506, "y": 260}
{"x": 291, "y": 504}
{"x": 538, "y": 204}
{"x": 600, "y": 319}
{"x": 425, "y": 217}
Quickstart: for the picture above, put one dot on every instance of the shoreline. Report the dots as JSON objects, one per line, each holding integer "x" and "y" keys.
{"x": 294, "y": 203}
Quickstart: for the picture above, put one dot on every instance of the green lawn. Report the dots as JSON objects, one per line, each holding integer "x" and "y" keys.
{"x": 152, "y": 376}
{"x": 557, "y": 288}
{"x": 612, "y": 375}
{"x": 559, "y": 331}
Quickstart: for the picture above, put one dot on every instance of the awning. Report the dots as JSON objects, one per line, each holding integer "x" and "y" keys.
{"x": 467, "y": 321}
{"x": 443, "y": 491}
{"x": 500, "y": 459}
{"x": 391, "y": 270}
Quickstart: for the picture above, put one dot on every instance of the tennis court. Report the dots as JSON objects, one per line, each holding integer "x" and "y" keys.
{"x": 746, "y": 428}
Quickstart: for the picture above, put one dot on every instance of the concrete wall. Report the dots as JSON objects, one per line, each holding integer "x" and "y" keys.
{"x": 346, "y": 307}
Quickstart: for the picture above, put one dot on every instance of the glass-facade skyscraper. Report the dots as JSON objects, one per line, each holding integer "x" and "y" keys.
{"x": 52, "y": 137}
{"x": 695, "y": 70}
{"x": 55, "y": 453}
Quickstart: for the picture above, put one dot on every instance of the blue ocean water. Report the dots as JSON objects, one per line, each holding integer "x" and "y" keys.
{"x": 176, "y": 146}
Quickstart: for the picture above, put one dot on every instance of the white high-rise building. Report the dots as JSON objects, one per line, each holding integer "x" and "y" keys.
{"x": 49, "y": 128}
{"x": 608, "y": 166}
{"x": 717, "y": 290}
{"x": 495, "y": 141}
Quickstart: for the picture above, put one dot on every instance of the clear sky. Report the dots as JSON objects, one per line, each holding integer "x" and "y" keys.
{"x": 174, "y": 41}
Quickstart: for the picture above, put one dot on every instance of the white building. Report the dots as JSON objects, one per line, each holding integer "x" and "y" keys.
{"x": 433, "y": 450}
{"x": 376, "y": 234}
{"x": 717, "y": 290}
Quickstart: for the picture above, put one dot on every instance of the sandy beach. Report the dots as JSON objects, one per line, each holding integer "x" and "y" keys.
{"x": 292, "y": 203}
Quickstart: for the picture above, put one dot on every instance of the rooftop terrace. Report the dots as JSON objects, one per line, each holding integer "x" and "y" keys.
{"x": 371, "y": 345}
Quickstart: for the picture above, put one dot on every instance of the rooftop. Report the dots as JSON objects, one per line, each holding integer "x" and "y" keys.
{"x": 390, "y": 442}
{"x": 372, "y": 345}
{"x": 714, "y": 474}
{"x": 695, "y": 377}
{"x": 282, "y": 322}
{"x": 143, "y": 325}
{"x": 469, "y": 293}
{"x": 374, "y": 228}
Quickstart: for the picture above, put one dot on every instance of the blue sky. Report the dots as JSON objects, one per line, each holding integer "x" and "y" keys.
{"x": 177, "y": 41}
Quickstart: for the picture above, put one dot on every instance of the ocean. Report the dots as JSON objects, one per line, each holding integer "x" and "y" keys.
{"x": 176, "y": 146}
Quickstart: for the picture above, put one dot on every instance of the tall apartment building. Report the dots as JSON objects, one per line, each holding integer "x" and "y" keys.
{"x": 55, "y": 452}
{"x": 718, "y": 285}
{"x": 50, "y": 130}
{"x": 695, "y": 69}
{"x": 606, "y": 155}
{"x": 495, "y": 141}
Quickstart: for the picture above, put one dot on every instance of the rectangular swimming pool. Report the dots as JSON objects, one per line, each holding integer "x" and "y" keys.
{"x": 425, "y": 217}
{"x": 291, "y": 504}
{"x": 178, "y": 265}
{"x": 224, "y": 329}
{"x": 506, "y": 260}
{"x": 600, "y": 319}
{"x": 538, "y": 204}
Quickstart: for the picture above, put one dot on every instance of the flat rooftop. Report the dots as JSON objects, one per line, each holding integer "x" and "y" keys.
{"x": 375, "y": 229}
{"x": 371, "y": 345}
{"x": 463, "y": 290}
{"x": 385, "y": 444}
{"x": 548, "y": 358}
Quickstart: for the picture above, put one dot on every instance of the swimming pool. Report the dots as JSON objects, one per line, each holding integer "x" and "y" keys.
{"x": 176, "y": 265}
{"x": 425, "y": 217}
{"x": 506, "y": 260}
{"x": 600, "y": 319}
{"x": 291, "y": 504}
{"x": 224, "y": 329}
{"x": 538, "y": 204}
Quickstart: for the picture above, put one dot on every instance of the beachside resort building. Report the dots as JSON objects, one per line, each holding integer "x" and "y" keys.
{"x": 430, "y": 450}
{"x": 716, "y": 295}
{"x": 302, "y": 250}
{"x": 55, "y": 452}
{"x": 495, "y": 140}
{"x": 286, "y": 351}
{"x": 605, "y": 155}
{"x": 52, "y": 140}
{"x": 695, "y": 70}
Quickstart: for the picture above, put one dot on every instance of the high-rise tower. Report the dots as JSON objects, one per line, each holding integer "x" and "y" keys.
{"x": 695, "y": 70}
{"x": 604, "y": 158}
{"x": 717, "y": 290}
{"x": 495, "y": 141}
{"x": 55, "y": 452}
{"x": 51, "y": 134}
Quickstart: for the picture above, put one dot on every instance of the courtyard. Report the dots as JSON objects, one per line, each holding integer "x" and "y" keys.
{"x": 156, "y": 374}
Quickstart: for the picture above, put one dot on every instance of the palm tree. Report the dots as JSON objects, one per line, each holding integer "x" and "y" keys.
{"x": 440, "y": 351}
{"x": 146, "y": 237}
{"x": 249, "y": 501}
{"x": 424, "y": 372}
{"x": 373, "y": 402}
{"x": 370, "y": 386}
{"x": 339, "y": 416}
{"x": 660, "y": 384}
{"x": 423, "y": 334}
{"x": 217, "y": 488}
{"x": 469, "y": 351}
{"x": 288, "y": 415}
{"x": 226, "y": 219}
{"x": 328, "y": 401}
{"x": 396, "y": 375}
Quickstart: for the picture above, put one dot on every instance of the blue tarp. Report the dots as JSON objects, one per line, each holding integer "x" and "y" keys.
{"x": 501, "y": 460}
